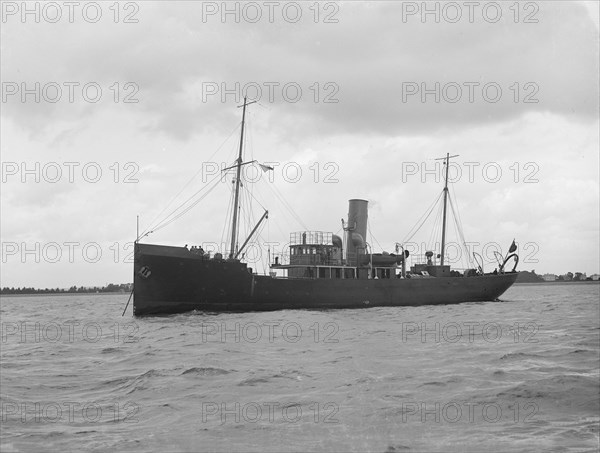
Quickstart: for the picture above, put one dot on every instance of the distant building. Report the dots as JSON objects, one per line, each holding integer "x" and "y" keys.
{"x": 549, "y": 277}
{"x": 595, "y": 277}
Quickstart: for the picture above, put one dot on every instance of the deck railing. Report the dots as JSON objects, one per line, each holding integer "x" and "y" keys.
{"x": 311, "y": 238}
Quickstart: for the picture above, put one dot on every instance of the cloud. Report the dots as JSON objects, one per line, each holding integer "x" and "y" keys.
{"x": 370, "y": 62}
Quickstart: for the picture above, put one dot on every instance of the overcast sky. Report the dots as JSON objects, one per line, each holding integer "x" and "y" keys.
{"x": 108, "y": 111}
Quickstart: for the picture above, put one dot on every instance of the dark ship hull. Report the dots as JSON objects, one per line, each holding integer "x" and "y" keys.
{"x": 174, "y": 280}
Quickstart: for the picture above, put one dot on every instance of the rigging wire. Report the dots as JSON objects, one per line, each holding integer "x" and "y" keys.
{"x": 456, "y": 202}
{"x": 264, "y": 258}
{"x": 435, "y": 231}
{"x": 176, "y": 215}
{"x": 422, "y": 220}
{"x": 373, "y": 238}
{"x": 257, "y": 201}
{"x": 228, "y": 218}
{"x": 189, "y": 182}
{"x": 247, "y": 215}
{"x": 255, "y": 198}
{"x": 460, "y": 233}
{"x": 286, "y": 205}
{"x": 456, "y": 235}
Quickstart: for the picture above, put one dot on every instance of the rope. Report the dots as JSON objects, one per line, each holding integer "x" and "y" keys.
{"x": 422, "y": 220}
{"x": 461, "y": 234}
{"x": 373, "y": 238}
{"x": 176, "y": 215}
{"x": 146, "y": 231}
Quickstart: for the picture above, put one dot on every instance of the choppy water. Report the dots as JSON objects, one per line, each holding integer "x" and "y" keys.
{"x": 522, "y": 375}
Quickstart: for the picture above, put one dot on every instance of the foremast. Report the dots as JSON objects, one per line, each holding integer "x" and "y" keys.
{"x": 234, "y": 224}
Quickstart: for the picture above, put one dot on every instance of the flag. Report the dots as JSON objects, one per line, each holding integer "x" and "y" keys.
{"x": 513, "y": 247}
{"x": 265, "y": 168}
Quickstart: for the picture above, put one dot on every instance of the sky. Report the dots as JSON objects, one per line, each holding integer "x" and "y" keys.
{"x": 112, "y": 111}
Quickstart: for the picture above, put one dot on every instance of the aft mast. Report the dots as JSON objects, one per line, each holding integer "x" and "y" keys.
{"x": 446, "y": 163}
{"x": 237, "y": 182}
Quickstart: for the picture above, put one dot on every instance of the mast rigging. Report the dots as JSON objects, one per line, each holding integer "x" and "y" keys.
{"x": 237, "y": 183}
{"x": 446, "y": 163}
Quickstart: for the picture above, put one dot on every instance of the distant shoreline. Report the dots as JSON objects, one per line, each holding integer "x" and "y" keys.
{"x": 105, "y": 293}
{"x": 584, "y": 282}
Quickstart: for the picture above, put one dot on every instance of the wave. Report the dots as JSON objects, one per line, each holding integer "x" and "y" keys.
{"x": 565, "y": 390}
{"x": 434, "y": 383}
{"x": 396, "y": 448}
{"x": 519, "y": 356}
{"x": 253, "y": 381}
{"x": 209, "y": 371}
{"x": 110, "y": 350}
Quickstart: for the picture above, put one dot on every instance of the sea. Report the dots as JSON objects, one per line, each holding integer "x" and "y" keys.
{"x": 521, "y": 374}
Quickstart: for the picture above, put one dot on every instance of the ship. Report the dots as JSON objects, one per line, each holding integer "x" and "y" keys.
{"x": 321, "y": 271}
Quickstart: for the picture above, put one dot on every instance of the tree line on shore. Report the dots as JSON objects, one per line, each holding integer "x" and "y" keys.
{"x": 110, "y": 288}
{"x": 532, "y": 277}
